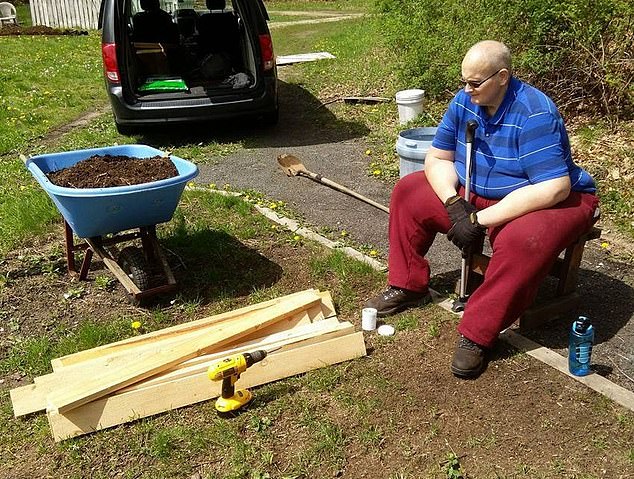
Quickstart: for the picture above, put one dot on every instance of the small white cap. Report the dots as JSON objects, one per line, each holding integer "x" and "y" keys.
{"x": 386, "y": 330}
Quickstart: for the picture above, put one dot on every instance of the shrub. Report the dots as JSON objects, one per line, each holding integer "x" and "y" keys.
{"x": 579, "y": 52}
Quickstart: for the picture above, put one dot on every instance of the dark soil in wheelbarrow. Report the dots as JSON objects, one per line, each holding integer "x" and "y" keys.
{"x": 108, "y": 171}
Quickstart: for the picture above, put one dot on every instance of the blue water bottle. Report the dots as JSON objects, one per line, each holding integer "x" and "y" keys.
{"x": 580, "y": 347}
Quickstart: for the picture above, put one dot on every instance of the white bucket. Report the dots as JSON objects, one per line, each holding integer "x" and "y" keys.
{"x": 410, "y": 104}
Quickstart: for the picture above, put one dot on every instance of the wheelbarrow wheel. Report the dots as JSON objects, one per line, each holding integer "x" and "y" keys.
{"x": 133, "y": 263}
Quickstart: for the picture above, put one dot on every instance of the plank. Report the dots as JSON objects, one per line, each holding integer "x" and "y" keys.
{"x": 172, "y": 331}
{"x": 27, "y": 399}
{"x": 302, "y": 57}
{"x": 32, "y": 397}
{"x": 201, "y": 364}
{"x": 120, "y": 408}
{"x": 109, "y": 373}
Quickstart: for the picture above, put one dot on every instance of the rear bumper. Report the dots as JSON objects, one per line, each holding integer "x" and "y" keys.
{"x": 185, "y": 110}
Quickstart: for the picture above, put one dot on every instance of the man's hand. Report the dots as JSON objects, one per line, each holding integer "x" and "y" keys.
{"x": 458, "y": 208}
{"x": 466, "y": 232}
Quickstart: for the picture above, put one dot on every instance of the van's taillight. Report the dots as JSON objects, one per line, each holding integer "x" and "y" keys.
{"x": 109, "y": 54}
{"x": 266, "y": 47}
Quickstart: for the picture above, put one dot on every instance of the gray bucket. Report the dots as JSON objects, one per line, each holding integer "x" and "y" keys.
{"x": 412, "y": 146}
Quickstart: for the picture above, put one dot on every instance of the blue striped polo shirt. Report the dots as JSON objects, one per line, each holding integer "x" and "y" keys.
{"x": 524, "y": 143}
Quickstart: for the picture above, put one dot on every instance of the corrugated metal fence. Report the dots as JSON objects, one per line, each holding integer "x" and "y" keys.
{"x": 65, "y": 13}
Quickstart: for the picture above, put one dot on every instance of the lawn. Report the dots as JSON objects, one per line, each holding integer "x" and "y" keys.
{"x": 396, "y": 414}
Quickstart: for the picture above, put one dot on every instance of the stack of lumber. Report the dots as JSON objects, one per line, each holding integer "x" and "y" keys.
{"x": 166, "y": 369}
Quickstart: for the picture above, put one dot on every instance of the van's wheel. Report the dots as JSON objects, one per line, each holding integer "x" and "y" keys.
{"x": 133, "y": 263}
{"x": 271, "y": 118}
{"x": 124, "y": 129}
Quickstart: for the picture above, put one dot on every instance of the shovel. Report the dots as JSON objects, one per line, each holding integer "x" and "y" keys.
{"x": 292, "y": 166}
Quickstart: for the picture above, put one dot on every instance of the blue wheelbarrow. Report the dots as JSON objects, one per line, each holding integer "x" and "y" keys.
{"x": 106, "y": 217}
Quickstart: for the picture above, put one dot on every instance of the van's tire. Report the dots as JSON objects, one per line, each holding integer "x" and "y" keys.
{"x": 126, "y": 130}
{"x": 133, "y": 263}
{"x": 271, "y": 118}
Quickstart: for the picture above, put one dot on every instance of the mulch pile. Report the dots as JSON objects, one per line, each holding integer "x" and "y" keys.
{"x": 13, "y": 30}
{"x": 108, "y": 171}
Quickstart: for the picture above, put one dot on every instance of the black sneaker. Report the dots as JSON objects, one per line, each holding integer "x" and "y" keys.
{"x": 468, "y": 359}
{"x": 394, "y": 300}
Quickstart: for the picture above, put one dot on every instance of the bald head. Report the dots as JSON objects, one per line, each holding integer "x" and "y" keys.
{"x": 487, "y": 55}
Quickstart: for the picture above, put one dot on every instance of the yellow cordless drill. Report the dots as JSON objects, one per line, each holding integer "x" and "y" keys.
{"x": 228, "y": 370}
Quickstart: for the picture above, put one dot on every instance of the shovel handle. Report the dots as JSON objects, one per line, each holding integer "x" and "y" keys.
{"x": 345, "y": 190}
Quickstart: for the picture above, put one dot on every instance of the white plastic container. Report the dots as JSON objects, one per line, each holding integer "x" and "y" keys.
{"x": 410, "y": 104}
{"x": 368, "y": 319}
{"x": 412, "y": 146}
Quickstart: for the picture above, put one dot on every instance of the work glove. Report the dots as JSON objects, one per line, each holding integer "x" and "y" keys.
{"x": 466, "y": 232}
{"x": 458, "y": 208}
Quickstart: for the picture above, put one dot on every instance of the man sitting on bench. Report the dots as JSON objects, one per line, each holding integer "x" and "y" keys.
{"x": 527, "y": 193}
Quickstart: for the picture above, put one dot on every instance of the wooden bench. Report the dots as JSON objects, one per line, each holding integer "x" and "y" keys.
{"x": 565, "y": 270}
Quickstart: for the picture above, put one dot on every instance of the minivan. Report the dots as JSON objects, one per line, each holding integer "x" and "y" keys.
{"x": 187, "y": 60}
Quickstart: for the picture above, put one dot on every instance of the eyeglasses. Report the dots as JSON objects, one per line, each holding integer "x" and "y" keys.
{"x": 477, "y": 84}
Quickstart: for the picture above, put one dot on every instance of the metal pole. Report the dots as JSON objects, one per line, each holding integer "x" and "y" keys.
{"x": 459, "y": 304}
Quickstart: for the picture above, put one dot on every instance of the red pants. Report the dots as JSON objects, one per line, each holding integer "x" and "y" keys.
{"x": 524, "y": 250}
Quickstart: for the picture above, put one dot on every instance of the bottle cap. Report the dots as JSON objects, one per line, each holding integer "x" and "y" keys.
{"x": 582, "y": 324}
{"x": 386, "y": 330}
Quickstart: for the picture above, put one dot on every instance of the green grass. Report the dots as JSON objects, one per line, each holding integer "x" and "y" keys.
{"x": 23, "y": 12}
{"x": 25, "y": 209}
{"x": 319, "y": 5}
{"x": 46, "y": 81}
{"x": 32, "y": 355}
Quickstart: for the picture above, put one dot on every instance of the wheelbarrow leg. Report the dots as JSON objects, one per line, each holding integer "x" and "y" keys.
{"x": 70, "y": 254}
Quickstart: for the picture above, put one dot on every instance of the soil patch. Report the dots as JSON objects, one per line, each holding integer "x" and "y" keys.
{"x": 15, "y": 30}
{"x": 108, "y": 171}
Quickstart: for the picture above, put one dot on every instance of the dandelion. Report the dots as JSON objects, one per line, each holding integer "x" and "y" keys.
{"x": 273, "y": 206}
{"x": 297, "y": 238}
{"x": 368, "y": 152}
{"x": 376, "y": 172}
{"x": 344, "y": 233}
{"x": 191, "y": 184}
{"x": 135, "y": 324}
{"x": 374, "y": 253}
{"x": 605, "y": 245}
{"x": 212, "y": 186}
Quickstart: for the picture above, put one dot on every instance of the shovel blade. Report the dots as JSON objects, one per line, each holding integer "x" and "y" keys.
{"x": 291, "y": 165}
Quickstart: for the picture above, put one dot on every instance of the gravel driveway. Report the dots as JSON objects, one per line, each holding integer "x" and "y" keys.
{"x": 605, "y": 284}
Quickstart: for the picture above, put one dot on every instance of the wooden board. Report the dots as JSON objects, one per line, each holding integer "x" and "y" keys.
{"x": 121, "y": 408}
{"x": 109, "y": 373}
{"x": 32, "y": 397}
{"x": 275, "y": 343}
{"x": 172, "y": 331}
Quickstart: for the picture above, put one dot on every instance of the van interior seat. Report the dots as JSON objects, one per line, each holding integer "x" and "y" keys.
{"x": 153, "y": 24}
{"x": 219, "y": 32}
{"x": 186, "y": 19}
